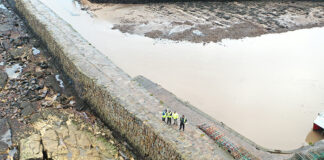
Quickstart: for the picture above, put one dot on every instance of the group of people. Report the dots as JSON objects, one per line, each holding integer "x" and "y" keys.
{"x": 168, "y": 115}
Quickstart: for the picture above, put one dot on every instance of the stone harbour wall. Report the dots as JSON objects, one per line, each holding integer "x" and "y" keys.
{"x": 120, "y": 102}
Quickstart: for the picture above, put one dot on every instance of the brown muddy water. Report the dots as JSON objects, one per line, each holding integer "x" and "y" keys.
{"x": 268, "y": 88}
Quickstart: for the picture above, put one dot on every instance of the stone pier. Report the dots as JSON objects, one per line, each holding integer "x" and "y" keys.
{"x": 120, "y": 102}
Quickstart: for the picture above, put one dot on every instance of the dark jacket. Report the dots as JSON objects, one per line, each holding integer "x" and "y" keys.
{"x": 183, "y": 120}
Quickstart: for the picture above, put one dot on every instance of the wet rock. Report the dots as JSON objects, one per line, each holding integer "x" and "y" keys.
{"x": 43, "y": 65}
{"x": 35, "y": 51}
{"x": 51, "y": 82}
{"x": 65, "y": 138}
{"x": 35, "y": 43}
{"x": 16, "y": 53}
{"x": 17, "y": 128}
{"x": 63, "y": 100}
{"x": 14, "y": 71}
{"x": 5, "y": 27}
{"x": 23, "y": 39}
{"x": 4, "y": 127}
{"x": 43, "y": 93}
{"x": 50, "y": 143}
{"x": 3, "y": 79}
{"x": 226, "y": 17}
{"x": 28, "y": 108}
{"x": 31, "y": 148}
{"x": 5, "y": 45}
{"x": 3, "y": 156}
{"x": 3, "y": 147}
{"x": 5, "y": 138}
{"x": 17, "y": 42}
{"x": 154, "y": 34}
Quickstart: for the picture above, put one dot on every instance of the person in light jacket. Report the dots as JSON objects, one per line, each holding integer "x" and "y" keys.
{"x": 175, "y": 118}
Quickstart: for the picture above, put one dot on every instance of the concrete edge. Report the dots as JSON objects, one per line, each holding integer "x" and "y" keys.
{"x": 257, "y": 149}
{"x": 250, "y": 148}
{"x": 109, "y": 90}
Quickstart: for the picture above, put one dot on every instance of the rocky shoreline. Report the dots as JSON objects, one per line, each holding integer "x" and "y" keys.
{"x": 209, "y": 21}
{"x": 40, "y": 116}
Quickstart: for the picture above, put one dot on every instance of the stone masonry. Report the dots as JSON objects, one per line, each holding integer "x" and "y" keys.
{"x": 227, "y": 138}
{"x": 120, "y": 103}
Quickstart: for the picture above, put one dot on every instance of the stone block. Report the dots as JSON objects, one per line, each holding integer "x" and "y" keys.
{"x": 31, "y": 148}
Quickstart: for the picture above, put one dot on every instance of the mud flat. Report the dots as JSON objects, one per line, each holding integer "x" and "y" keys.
{"x": 210, "y": 21}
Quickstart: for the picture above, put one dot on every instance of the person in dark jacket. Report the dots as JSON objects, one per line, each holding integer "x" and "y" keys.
{"x": 183, "y": 121}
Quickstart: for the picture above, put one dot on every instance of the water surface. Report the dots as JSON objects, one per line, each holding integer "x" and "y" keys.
{"x": 268, "y": 88}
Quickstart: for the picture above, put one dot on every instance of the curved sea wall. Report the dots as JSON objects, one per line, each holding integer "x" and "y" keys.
{"x": 120, "y": 102}
{"x": 129, "y": 108}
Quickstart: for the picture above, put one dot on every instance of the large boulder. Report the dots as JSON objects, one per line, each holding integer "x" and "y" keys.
{"x": 31, "y": 148}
